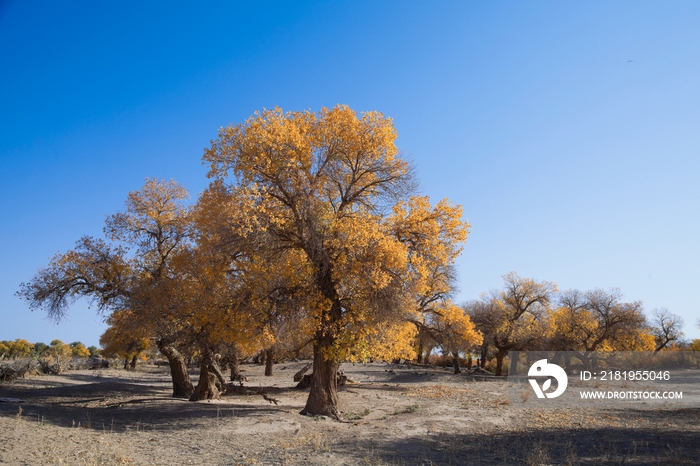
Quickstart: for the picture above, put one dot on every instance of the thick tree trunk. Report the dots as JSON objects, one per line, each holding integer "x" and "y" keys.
{"x": 419, "y": 358}
{"x": 182, "y": 386}
{"x": 323, "y": 398}
{"x": 499, "y": 362}
{"x": 455, "y": 363}
{"x": 133, "y": 362}
{"x": 207, "y": 388}
{"x": 126, "y": 364}
{"x": 269, "y": 361}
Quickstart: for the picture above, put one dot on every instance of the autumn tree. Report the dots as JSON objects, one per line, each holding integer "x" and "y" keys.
{"x": 516, "y": 317}
{"x": 16, "y": 349}
{"x": 59, "y": 350}
{"x": 322, "y": 185}
{"x": 157, "y": 228}
{"x": 483, "y": 314}
{"x": 130, "y": 273}
{"x": 126, "y": 337}
{"x": 666, "y": 327}
{"x": 598, "y": 320}
{"x": 243, "y": 297}
{"x": 217, "y": 310}
{"x": 455, "y": 332}
{"x": 78, "y": 350}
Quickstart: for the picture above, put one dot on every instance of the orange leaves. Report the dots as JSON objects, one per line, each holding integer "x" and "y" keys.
{"x": 598, "y": 320}
{"x": 319, "y": 184}
{"x": 125, "y": 336}
{"x": 392, "y": 340}
{"x": 332, "y": 157}
{"x": 17, "y": 348}
{"x": 433, "y": 236}
{"x": 456, "y": 329}
{"x": 367, "y": 256}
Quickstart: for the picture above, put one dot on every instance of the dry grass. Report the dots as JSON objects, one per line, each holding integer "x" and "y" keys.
{"x": 119, "y": 418}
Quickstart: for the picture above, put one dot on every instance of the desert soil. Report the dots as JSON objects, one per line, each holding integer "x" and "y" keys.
{"x": 393, "y": 414}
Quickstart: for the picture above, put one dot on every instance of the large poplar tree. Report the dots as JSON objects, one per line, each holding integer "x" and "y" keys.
{"x": 324, "y": 185}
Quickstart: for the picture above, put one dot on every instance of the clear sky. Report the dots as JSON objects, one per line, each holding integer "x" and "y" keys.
{"x": 569, "y": 131}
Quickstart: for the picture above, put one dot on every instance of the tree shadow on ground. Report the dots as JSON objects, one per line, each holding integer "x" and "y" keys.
{"x": 115, "y": 406}
{"x": 664, "y": 443}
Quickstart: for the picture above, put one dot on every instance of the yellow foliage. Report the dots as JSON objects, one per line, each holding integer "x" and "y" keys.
{"x": 308, "y": 186}
{"x": 392, "y": 341}
{"x": 125, "y": 336}
{"x": 19, "y": 348}
{"x": 635, "y": 340}
{"x": 457, "y": 332}
{"x": 598, "y": 321}
{"x": 79, "y": 350}
{"x": 60, "y": 349}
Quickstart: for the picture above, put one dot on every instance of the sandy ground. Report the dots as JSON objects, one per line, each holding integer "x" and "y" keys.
{"x": 394, "y": 414}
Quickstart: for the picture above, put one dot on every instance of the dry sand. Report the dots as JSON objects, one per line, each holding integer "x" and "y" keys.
{"x": 394, "y": 414}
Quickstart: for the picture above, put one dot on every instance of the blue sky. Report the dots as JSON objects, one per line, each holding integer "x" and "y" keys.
{"x": 568, "y": 131}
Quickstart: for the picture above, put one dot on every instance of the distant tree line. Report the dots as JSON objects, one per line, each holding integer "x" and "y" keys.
{"x": 21, "y": 348}
{"x": 530, "y": 315}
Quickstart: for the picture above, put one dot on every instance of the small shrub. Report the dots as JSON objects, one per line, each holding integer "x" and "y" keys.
{"x": 352, "y": 416}
{"x": 408, "y": 409}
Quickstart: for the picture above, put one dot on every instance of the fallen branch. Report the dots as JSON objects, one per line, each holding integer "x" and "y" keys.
{"x": 269, "y": 398}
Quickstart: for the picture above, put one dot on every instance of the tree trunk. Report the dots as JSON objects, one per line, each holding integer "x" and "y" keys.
{"x": 428, "y": 352}
{"x": 182, "y": 386}
{"x": 455, "y": 362}
{"x": 133, "y": 362}
{"x": 126, "y": 364}
{"x": 323, "y": 398}
{"x": 207, "y": 386}
{"x": 216, "y": 370}
{"x": 499, "y": 362}
{"x": 235, "y": 370}
{"x": 484, "y": 353}
{"x": 419, "y": 358}
{"x": 268, "y": 362}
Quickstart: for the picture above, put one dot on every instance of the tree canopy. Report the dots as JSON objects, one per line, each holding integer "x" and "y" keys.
{"x": 331, "y": 190}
